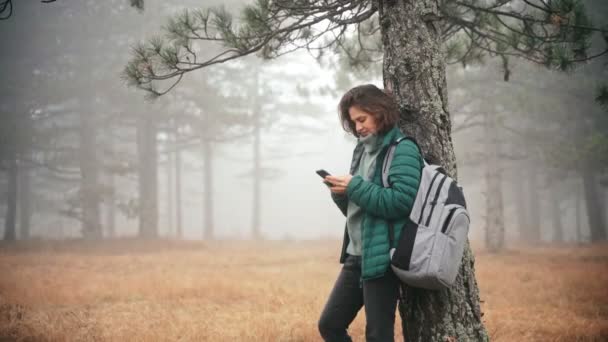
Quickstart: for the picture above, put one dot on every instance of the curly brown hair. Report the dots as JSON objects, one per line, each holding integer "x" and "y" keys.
{"x": 373, "y": 101}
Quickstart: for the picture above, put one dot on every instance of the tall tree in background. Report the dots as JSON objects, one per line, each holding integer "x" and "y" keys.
{"x": 211, "y": 116}
{"x": 70, "y": 163}
{"x": 147, "y": 152}
{"x": 413, "y": 34}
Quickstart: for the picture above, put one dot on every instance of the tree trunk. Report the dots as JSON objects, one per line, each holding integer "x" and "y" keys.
{"x": 207, "y": 154}
{"x": 594, "y": 209}
{"x": 89, "y": 182}
{"x": 556, "y": 215}
{"x": 111, "y": 208}
{"x": 257, "y": 179}
{"x": 170, "y": 164}
{"x": 110, "y": 202}
{"x": 579, "y": 228}
{"x": 604, "y": 205}
{"x": 208, "y": 229}
{"x": 178, "y": 194}
{"x": 534, "y": 212}
{"x": 24, "y": 198}
{"x": 10, "y": 233}
{"x": 521, "y": 208}
{"x": 495, "y": 227}
{"x": 257, "y": 174}
{"x": 148, "y": 177}
{"x": 414, "y": 71}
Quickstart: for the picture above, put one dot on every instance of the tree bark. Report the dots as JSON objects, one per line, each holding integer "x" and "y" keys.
{"x": 414, "y": 71}
{"x": 595, "y": 216}
{"x": 24, "y": 198}
{"x": 495, "y": 227}
{"x": 89, "y": 182}
{"x": 148, "y": 177}
{"x": 10, "y": 233}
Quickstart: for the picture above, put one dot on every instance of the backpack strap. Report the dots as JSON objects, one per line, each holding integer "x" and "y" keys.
{"x": 388, "y": 160}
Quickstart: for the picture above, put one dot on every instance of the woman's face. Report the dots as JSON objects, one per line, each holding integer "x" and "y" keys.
{"x": 365, "y": 123}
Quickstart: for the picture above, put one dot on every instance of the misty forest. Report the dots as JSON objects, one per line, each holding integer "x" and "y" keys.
{"x": 157, "y": 164}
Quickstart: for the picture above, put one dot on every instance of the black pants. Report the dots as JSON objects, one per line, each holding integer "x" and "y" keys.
{"x": 379, "y": 296}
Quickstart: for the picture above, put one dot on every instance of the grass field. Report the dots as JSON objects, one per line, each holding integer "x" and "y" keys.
{"x": 131, "y": 290}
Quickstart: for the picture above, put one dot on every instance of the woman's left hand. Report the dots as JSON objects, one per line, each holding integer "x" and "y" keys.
{"x": 338, "y": 183}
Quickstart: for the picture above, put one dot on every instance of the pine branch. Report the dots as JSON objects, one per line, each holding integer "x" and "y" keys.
{"x": 268, "y": 28}
{"x": 555, "y": 34}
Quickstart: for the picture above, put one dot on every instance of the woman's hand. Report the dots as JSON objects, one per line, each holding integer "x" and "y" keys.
{"x": 338, "y": 183}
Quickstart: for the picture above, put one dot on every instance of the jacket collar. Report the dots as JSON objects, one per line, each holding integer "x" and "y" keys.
{"x": 389, "y": 137}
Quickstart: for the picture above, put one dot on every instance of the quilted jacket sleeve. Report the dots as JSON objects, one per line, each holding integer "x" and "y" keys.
{"x": 404, "y": 178}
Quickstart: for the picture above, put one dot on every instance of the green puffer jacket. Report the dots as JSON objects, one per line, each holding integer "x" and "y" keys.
{"x": 382, "y": 205}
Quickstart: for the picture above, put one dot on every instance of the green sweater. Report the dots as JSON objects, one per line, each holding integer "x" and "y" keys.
{"x": 354, "y": 213}
{"x": 381, "y": 206}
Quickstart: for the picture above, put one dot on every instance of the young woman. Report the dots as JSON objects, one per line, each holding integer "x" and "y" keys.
{"x": 366, "y": 278}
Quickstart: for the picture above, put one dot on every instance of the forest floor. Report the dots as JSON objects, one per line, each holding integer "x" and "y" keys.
{"x": 131, "y": 290}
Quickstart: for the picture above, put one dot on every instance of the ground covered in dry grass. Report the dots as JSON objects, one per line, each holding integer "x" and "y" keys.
{"x": 272, "y": 291}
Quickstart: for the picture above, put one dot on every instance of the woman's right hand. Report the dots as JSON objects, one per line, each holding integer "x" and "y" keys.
{"x": 338, "y": 183}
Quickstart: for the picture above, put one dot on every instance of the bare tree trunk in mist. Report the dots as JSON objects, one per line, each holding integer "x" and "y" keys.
{"x": 110, "y": 201}
{"x": 208, "y": 229}
{"x": 532, "y": 231}
{"x": 556, "y": 214}
{"x": 24, "y": 198}
{"x": 604, "y": 205}
{"x": 178, "y": 193}
{"x": 148, "y": 176}
{"x": 170, "y": 164}
{"x": 10, "y": 234}
{"x": 111, "y": 209}
{"x": 495, "y": 226}
{"x": 414, "y": 72}
{"x": 579, "y": 223}
{"x": 89, "y": 174}
{"x": 520, "y": 185}
{"x": 257, "y": 174}
{"x": 597, "y": 226}
{"x": 606, "y": 208}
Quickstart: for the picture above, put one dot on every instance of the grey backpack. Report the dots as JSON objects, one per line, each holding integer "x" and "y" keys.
{"x": 429, "y": 251}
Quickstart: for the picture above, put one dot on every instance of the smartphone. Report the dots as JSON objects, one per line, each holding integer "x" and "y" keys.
{"x": 324, "y": 174}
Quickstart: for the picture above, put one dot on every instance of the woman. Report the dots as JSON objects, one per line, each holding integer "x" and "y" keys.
{"x": 366, "y": 278}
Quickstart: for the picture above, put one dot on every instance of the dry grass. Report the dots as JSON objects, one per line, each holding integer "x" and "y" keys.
{"x": 274, "y": 291}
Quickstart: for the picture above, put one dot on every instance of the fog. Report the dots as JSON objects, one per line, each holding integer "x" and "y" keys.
{"x": 62, "y": 63}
